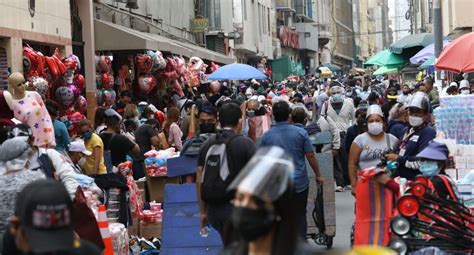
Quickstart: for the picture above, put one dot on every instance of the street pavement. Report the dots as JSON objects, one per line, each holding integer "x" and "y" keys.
{"x": 344, "y": 221}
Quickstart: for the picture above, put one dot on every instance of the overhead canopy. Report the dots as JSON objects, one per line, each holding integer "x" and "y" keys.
{"x": 385, "y": 58}
{"x": 110, "y": 36}
{"x": 236, "y": 72}
{"x": 429, "y": 62}
{"x": 210, "y": 55}
{"x": 425, "y": 54}
{"x": 385, "y": 70}
{"x": 332, "y": 67}
{"x": 410, "y": 41}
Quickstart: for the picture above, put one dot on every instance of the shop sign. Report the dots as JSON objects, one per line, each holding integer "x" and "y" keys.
{"x": 199, "y": 24}
{"x": 289, "y": 38}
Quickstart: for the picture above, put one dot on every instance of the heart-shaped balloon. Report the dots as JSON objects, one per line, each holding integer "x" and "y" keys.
{"x": 81, "y": 104}
{"x": 107, "y": 81}
{"x": 80, "y": 82}
{"x": 65, "y": 96}
{"x": 109, "y": 96}
{"x": 39, "y": 85}
{"x": 146, "y": 83}
{"x": 75, "y": 90}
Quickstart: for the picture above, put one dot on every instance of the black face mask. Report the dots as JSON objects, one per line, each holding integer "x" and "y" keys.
{"x": 205, "y": 128}
{"x": 361, "y": 122}
{"x": 252, "y": 223}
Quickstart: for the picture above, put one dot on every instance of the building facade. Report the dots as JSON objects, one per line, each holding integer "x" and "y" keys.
{"x": 342, "y": 44}
{"x": 38, "y": 25}
{"x": 457, "y": 17}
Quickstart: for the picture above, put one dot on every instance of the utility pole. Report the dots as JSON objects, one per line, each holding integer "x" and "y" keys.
{"x": 438, "y": 35}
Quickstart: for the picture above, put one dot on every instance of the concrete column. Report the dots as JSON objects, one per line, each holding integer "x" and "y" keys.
{"x": 87, "y": 18}
{"x": 67, "y": 50}
{"x": 14, "y": 50}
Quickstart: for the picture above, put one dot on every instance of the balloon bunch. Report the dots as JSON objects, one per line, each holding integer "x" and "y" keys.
{"x": 196, "y": 71}
{"x": 105, "y": 81}
{"x": 146, "y": 64}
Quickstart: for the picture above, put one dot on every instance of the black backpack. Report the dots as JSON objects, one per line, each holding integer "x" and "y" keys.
{"x": 217, "y": 171}
{"x": 191, "y": 147}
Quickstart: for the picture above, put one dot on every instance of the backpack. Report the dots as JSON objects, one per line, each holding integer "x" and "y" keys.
{"x": 108, "y": 153}
{"x": 191, "y": 146}
{"x": 217, "y": 173}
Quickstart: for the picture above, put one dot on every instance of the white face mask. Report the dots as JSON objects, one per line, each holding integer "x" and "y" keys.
{"x": 415, "y": 121}
{"x": 465, "y": 92}
{"x": 375, "y": 128}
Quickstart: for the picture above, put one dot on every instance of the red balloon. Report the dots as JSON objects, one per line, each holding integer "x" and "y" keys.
{"x": 146, "y": 83}
{"x": 81, "y": 104}
{"x": 107, "y": 81}
{"x": 80, "y": 82}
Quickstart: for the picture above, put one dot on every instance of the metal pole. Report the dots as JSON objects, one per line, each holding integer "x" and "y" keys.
{"x": 438, "y": 34}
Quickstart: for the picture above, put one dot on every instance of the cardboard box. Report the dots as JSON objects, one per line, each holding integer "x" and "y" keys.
{"x": 156, "y": 186}
{"x": 150, "y": 230}
{"x": 134, "y": 229}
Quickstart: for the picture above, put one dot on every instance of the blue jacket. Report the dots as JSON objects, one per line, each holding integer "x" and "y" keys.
{"x": 397, "y": 128}
{"x": 408, "y": 163}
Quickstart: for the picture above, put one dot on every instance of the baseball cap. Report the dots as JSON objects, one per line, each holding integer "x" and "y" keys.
{"x": 434, "y": 151}
{"x": 392, "y": 93}
{"x": 45, "y": 212}
{"x": 453, "y": 84}
{"x": 78, "y": 146}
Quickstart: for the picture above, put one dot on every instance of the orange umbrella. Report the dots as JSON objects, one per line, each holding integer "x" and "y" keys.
{"x": 458, "y": 56}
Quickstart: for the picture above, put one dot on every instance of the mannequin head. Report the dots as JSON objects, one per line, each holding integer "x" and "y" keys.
{"x": 16, "y": 84}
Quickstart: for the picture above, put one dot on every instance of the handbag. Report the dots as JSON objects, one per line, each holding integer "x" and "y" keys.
{"x": 84, "y": 222}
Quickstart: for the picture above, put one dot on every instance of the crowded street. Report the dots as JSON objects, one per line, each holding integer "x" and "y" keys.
{"x": 236, "y": 127}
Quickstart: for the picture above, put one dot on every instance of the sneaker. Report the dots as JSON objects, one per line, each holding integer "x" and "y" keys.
{"x": 348, "y": 187}
{"x": 339, "y": 189}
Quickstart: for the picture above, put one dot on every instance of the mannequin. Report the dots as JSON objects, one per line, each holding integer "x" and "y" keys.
{"x": 28, "y": 107}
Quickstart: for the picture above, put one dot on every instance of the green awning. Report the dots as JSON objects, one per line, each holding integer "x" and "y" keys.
{"x": 385, "y": 70}
{"x": 385, "y": 58}
{"x": 410, "y": 41}
{"x": 429, "y": 62}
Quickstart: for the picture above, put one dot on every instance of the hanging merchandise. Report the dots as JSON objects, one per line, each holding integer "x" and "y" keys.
{"x": 39, "y": 85}
{"x": 214, "y": 66}
{"x": 195, "y": 67}
{"x": 158, "y": 61}
{"x": 81, "y": 104}
{"x": 146, "y": 83}
{"x": 107, "y": 81}
{"x": 98, "y": 97}
{"x": 109, "y": 96}
{"x": 104, "y": 64}
{"x": 144, "y": 63}
{"x": 123, "y": 74}
{"x": 65, "y": 96}
{"x": 80, "y": 82}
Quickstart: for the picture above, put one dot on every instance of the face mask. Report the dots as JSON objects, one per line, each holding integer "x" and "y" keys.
{"x": 415, "y": 121}
{"x": 429, "y": 168}
{"x": 250, "y": 113}
{"x": 337, "y": 98}
{"x": 465, "y": 92}
{"x": 405, "y": 93}
{"x": 82, "y": 161}
{"x": 361, "y": 121}
{"x": 252, "y": 223}
{"x": 375, "y": 128}
{"x": 87, "y": 135}
{"x": 206, "y": 128}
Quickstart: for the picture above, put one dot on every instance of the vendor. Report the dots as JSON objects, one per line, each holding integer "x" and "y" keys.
{"x": 433, "y": 165}
{"x": 77, "y": 153}
{"x": 416, "y": 137}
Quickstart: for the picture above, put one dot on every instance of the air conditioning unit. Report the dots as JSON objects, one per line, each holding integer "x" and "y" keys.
{"x": 132, "y": 4}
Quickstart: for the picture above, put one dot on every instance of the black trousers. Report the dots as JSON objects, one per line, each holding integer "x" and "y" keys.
{"x": 218, "y": 215}
{"x": 301, "y": 201}
{"x": 341, "y": 164}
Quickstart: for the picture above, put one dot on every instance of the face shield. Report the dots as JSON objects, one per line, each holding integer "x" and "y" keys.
{"x": 267, "y": 175}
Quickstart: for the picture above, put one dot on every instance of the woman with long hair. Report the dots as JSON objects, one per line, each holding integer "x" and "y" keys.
{"x": 131, "y": 113}
{"x": 263, "y": 220}
{"x": 99, "y": 120}
{"x": 171, "y": 128}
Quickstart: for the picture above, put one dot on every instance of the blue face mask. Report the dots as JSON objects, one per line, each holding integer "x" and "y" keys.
{"x": 87, "y": 135}
{"x": 337, "y": 98}
{"x": 429, "y": 168}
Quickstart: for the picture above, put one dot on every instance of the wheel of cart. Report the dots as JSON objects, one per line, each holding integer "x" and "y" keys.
{"x": 321, "y": 208}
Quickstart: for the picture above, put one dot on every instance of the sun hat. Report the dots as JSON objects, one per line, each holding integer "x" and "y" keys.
{"x": 434, "y": 151}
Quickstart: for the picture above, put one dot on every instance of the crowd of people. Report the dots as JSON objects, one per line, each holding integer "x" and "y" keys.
{"x": 251, "y": 142}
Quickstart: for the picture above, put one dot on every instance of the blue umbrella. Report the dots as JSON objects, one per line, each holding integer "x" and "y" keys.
{"x": 236, "y": 72}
